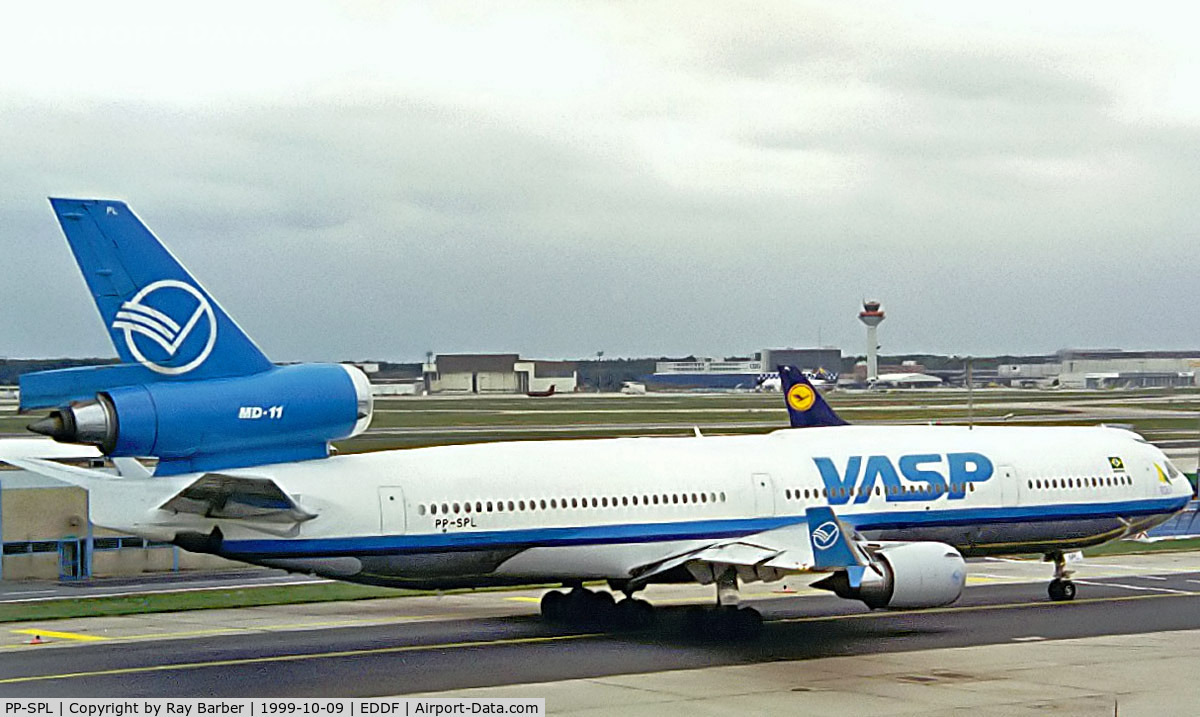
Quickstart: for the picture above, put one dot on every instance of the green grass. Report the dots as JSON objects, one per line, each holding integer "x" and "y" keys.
{"x": 1133, "y": 547}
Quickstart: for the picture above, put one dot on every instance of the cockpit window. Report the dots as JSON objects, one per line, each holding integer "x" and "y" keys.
{"x": 1172, "y": 471}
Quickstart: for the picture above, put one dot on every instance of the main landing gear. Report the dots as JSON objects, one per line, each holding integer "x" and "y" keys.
{"x": 593, "y": 608}
{"x": 727, "y": 620}
{"x": 1061, "y": 587}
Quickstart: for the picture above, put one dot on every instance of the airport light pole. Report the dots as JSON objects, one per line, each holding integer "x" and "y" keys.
{"x": 970, "y": 398}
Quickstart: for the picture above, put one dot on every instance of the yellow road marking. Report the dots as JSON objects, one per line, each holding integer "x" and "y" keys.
{"x": 522, "y": 598}
{"x": 228, "y": 630}
{"x": 60, "y": 635}
{"x": 301, "y": 657}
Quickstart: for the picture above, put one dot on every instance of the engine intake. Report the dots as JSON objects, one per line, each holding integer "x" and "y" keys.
{"x": 906, "y": 575}
{"x": 287, "y": 413}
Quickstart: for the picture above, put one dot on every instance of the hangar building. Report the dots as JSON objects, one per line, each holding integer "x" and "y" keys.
{"x": 498, "y": 373}
{"x": 1109, "y": 368}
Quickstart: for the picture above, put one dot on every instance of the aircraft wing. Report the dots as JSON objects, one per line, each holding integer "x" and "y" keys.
{"x": 218, "y": 495}
{"x": 822, "y": 543}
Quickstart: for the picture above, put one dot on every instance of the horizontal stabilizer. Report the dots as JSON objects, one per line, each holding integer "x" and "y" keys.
{"x": 217, "y": 495}
{"x": 44, "y": 448}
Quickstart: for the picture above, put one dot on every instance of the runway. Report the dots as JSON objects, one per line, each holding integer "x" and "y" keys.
{"x": 411, "y": 645}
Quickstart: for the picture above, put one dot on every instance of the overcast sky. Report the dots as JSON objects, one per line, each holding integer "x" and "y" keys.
{"x": 378, "y": 179}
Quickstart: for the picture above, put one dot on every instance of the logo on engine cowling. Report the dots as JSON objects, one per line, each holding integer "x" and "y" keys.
{"x": 165, "y": 326}
{"x": 825, "y": 535}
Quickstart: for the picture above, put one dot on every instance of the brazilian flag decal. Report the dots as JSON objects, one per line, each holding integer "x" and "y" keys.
{"x": 1116, "y": 463}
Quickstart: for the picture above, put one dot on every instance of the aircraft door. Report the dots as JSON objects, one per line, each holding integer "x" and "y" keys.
{"x": 1010, "y": 487}
{"x": 764, "y": 494}
{"x": 393, "y": 518}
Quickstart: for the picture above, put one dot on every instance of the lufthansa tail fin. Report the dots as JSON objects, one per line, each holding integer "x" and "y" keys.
{"x": 156, "y": 313}
{"x": 806, "y": 407}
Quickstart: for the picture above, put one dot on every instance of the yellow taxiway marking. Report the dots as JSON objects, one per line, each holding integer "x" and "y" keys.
{"x": 301, "y": 657}
{"x": 522, "y": 598}
{"x": 59, "y": 635}
{"x": 227, "y": 630}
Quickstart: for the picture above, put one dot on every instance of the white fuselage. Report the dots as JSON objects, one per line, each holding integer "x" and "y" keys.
{"x": 596, "y": 509}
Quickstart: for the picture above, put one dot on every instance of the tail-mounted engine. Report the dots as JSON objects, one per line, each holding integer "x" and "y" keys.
{"x": 287, "y": 413}
{"x": 905, "y": 575}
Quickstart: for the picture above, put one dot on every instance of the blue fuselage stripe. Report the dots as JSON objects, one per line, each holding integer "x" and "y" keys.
{"x": 684, "y": 530}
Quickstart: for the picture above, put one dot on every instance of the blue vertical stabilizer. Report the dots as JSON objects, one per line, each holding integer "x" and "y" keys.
{"x": 806, "y": 407}
{"x": 158, "y": 315}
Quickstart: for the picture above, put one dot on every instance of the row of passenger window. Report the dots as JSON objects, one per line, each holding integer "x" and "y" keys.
{"x": 926, "y": 489}
{"x": 516, "y": 506}
{"x": 1094, "y": 482}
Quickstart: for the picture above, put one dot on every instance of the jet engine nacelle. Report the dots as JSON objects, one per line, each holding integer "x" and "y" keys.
{"x": 906, "y": 575}
{"x": 284, "y": 414}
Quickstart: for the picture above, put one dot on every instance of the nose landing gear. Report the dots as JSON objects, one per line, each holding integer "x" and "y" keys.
{"x": 1061, "y": 587}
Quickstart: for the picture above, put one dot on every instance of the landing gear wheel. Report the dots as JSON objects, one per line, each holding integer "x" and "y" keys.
{"x": 1061, "y": 590}
{"x": 634, "y": 614}
{"x": 747, "y": 623}
{"x": 724, "y": 623}
{"x": 554, "y": 606}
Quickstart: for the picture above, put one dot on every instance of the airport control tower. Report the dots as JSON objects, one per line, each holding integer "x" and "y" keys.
{"x": 872, "y": 316}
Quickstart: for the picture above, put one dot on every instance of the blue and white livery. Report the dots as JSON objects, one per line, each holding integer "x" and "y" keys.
{"x": 882, "y": 514}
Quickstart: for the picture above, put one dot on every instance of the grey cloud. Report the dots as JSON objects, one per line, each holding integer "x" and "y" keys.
{"x": 992, "y": 202}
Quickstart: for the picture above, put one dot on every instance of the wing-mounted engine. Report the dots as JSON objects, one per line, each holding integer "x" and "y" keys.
{"x": 904, "y": 575}
{"x": 286, "y": 413}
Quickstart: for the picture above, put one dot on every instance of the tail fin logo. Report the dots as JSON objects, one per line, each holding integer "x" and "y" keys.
{"x": 801, "y": 397}
{"x": 826, "y": 535}
{"x": 152, "y": 327}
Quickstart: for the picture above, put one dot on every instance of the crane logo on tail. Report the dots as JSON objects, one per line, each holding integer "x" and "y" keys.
{"x": 801, "y": 397}
{"x": 167, "y": 315}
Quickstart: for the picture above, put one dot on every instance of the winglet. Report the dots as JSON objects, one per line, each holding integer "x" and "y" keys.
{"x": 832, "y": 546}
{"x": 806, "y": 407}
